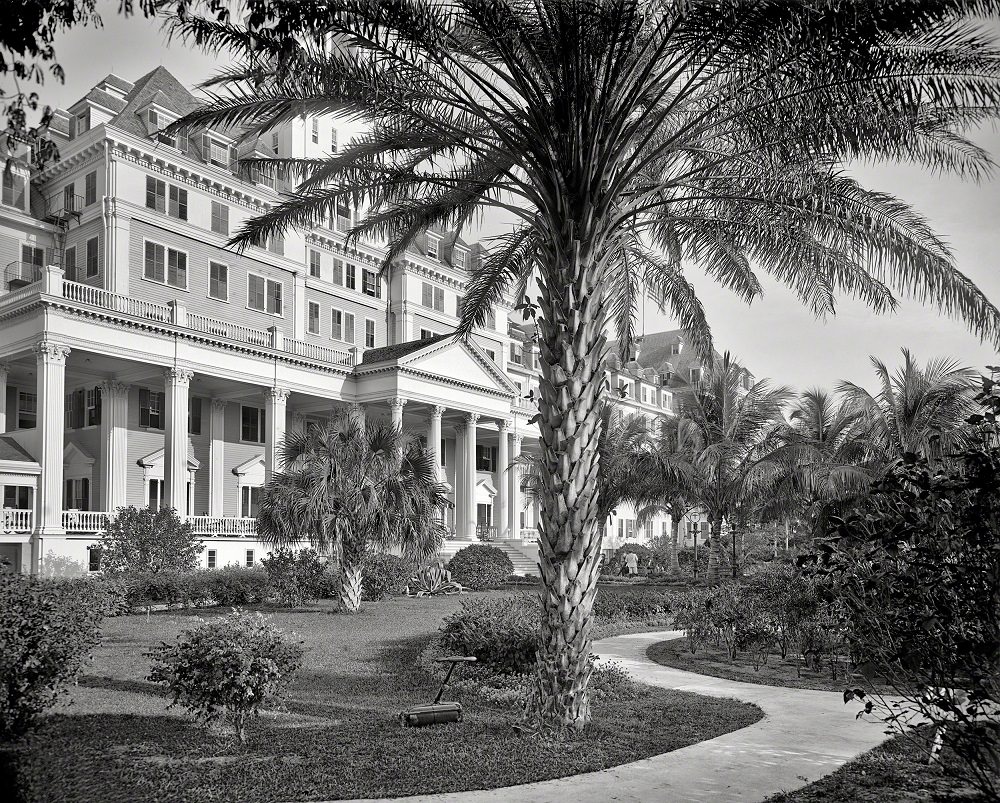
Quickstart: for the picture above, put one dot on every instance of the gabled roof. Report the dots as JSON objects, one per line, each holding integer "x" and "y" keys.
{"x": 10, "y": 449}
{"x": 156, "y": 459}
{"x": 157, "y": 86}
{"x": 398, "y": 350}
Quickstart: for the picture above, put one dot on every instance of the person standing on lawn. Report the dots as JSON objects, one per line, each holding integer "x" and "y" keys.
{"x": 631, "y": 564}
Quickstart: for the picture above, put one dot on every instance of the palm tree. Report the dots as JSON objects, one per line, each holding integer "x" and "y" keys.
{"x": 918, "y": 410}
{"x": 827, "y": 459}
{"x": 628, "y": 139}
{"x": 737, "y": 460}
{"x": 352, "y": 487}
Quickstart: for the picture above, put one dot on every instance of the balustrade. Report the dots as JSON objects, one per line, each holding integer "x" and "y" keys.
{"x": 84, "y": 521}
{"x": 16, "y": 520}
{"x": 223, "y": 525}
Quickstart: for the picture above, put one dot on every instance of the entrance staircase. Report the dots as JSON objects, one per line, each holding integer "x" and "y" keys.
{"x": 523, "y": 555}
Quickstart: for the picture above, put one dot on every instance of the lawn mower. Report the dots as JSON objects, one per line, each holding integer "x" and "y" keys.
{"x": 437, "y": 712}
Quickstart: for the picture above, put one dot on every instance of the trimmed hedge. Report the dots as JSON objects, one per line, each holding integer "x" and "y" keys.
{"x": 480, "y": 567}
{"x": 501, "y": 632}
{"x": 47, "y": 630}
{"x": 385, "y": 576}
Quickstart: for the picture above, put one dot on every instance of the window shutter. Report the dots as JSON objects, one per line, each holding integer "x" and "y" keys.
{"x": 338, "y": 271}
{"x": 85, "y": 494}
{"x": 234, "y": 160}
{"x": 68, "y": 495}
{"x": 427, "y": 295}
{"x": 143, "y": 407}
{"x": 349, "y": 327}
{"x": 79, "y": 408}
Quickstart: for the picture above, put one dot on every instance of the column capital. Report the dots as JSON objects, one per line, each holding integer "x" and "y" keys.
{"x": 4, "y": 371}
{"x": 397, "y": 402}
{"x": 50, "y": 351}
{"x": 504, "y": 424}
{"x": 355, "y": 408}
{"x": 276, "y": 395}
{"x": 112, "y": 388}
{"x": 219, "y": 405}
{"x": 437, "y": 411}
{"x": 471, "y": 419}
{"x": 178, "y": 376}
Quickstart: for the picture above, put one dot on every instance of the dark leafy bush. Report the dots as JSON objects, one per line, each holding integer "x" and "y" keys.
{"x": 431, "y": 581}
{"x": 139, "y": 540}
{"x": 626, "y": 605}
{"x": 385, "y": 576}
{"x": 47, "y": 630}
{"x": 296, "y": 577}
{"x": 501, "y": 632}
{"x": 233, "y": 585}
{"x": 617, "y": 561}
{"x": 480, "y": 567}
{"x": 227, "y": 669}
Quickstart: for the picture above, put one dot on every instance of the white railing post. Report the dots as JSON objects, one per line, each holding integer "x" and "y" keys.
{"x": 178, "y": 313}
{"x": 52, "y": 280}
{"x": 277, "y": 340}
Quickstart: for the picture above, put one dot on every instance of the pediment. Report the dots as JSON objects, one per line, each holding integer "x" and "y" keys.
{"x": 458, "y": 360}
{"x": 250, "y": 466}
{"x": 73, "y": 455}
{"x": 155, "y": 460}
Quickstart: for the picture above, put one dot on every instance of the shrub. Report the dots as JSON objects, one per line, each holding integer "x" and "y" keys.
{"x": 480, "y": 567}
{"x": 617, "y": 561}
{"x": 226, "y": 669}
{"x": 429, "y": 581}
{"x": 234, "y": 585}
{"x": 385, "y": 576}
{"x": 139, "y": 540}
{"x": 613, "y": 605}
{"x": 501, "y": 632}
{"x": 47, "y": 630}
{"x": 295, "y": 578}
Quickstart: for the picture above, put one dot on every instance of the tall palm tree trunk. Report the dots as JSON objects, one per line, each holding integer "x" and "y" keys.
{"x": 675, "y": 526}
{"x": 714, "y": 550}
{"x": 572, "y": 345}
{"x": 350, "y": 586}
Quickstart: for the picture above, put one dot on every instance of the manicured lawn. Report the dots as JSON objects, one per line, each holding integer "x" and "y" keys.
{"x": 712, "y": 660}
{"x": 892, "y": 773}
{"x": 339, "y": 738}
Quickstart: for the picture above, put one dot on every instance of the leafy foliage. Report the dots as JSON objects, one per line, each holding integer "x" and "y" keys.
{"x": 480, "y": 567}
{"x": 296, "y": 577}
{"x": 227, "y": 669}
{"x": 139, "y": 540}
{"x": 47, "y": 630}
{"x": 501, "y": 632}
{"x": 385, "y": 576}
{"x": 431, "y": 580}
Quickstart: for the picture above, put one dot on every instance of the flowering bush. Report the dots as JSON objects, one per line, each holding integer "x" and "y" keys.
{"x": 227, "y": 669}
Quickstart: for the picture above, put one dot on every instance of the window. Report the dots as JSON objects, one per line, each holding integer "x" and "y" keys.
{"x": 371, "y": 284}
{"x": 94, "y": 558}
{"x": 432, "y": 297}
{"x": 77, "y": 494}
{"x": 427, "y": 334}
{"x": 194, "y": 415}
{"x": 17, "y": 497}
{"x": 351, "y": 277}
{"x": 249, "y": 561}
{"x": 218, "y": 280}
{"x": 443, "y": 461}
{"x": 675, "y": 348}
{"x": 92, "y": 403}
{"x": 151, "y": 406}
{"x": 276, "y": 244}
{"x": 315, "y": 130}
{"x": 695, "y": 375}
{"x": 83, "y": 122}
{"x": 178, "y": 207}
{"x": 220, "y": 218}
{"x": 274, "y": 142}
{"x": 154, "y": 494}
{"x": 491, "y": 319}
{"x": 13, "y": 189}
{"x": 215, "y": 151}
{"x": 157, "y": 122}
{"x": 69, "y": 263}
{"x": 343, "y": 218}
{"x": 491, "y": 354}
{"x": 90, "y": 188}
{"x": 27, "y": 410}
{"x": 252, "y": 422}
{"x": 211, "y": 558}
{"x": 249, "y": 501}
{"x": 93, "y": 257}
{"x": 338, "y": 271}
{"x": 458, "y": 257}
{"x": 264, "y": 295}
{"x": 165, "y": 265}
{"x": 486, "y": 458}
{"x": 69, "y": 197}
{"x": 342, "y": 325}
{"x": 312, "y": 325}
{"x": 515, "y": 353}
{"x": 369, "y": 333}
{"x": 75, "y": 409}
{"x": 432, "y": 247}
{"x": 333, "y": 140}
{"x": 156, "y": 194}
{"x": 314, "y": 263}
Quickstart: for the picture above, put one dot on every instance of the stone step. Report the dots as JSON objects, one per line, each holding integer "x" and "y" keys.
{"x": 522, "y": 555}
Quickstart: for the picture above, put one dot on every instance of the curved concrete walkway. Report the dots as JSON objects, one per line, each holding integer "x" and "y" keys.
{"x": 803, "y": 736}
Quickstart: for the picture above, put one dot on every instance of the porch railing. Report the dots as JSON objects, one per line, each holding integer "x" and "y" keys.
{"x": 223, "y": 525}
{"x": 234, "y": 331}
{"x": 16, "y": 520}
{"x": 84, "y": 521}
{"x": 484, "y": 533}
{"x": 313, "y": 351}
{"x": 117, "y": 302}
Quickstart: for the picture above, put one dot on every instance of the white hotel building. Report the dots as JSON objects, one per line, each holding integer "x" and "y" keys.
{"x": 144, "y": 363}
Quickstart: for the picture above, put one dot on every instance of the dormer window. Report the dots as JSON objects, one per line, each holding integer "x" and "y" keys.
{"x": 695, "y": 375}
{"x": 675, "y": 348}
{"x": 274, "y": 142}
{"x": 157, "y": 122}
{"x": 432, "y": 246}
{"x": 218, "y": 152}
{"x": 458, "y": 257}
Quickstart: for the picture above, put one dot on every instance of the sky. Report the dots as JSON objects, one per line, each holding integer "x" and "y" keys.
{"x": 775, "y": 337}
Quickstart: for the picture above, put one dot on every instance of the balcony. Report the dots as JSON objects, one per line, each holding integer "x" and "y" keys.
{"x": 61, "y": 209}
{"x": 96, "y": 522}
{"x": 16, "y": 521}
{"x": 21, "y": 274}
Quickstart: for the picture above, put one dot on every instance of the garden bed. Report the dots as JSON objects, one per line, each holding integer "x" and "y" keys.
{"x": 778, "y": 671}
{"x": 895, "y": 772}
{"x": 339, "y": 737}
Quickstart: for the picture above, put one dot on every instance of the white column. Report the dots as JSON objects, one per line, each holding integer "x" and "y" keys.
{"x": 51, "y": 389}
{"x": 114, "y": 444}
{"x": 514, "y": 483}
{"x": 502, "y": 514}
{"x": 434, "y": 438}
{"x": 357, "y": 412}
{"x": 217, "y": 458}
{"x": 275, "y": 400}
{"x": 471, "y": 419}
{"x": 4, "y": 373}
{"x": 396, "y": 404}
{"x": 177, "y": 383}
{"x": 299, "y": 310}
{"x": 458, "y": 489}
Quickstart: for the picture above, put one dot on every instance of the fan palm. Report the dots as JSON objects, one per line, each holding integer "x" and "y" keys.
{"x": 351, "y": 487}
{"x": 916, "y": 410}
{"x": 627, "y": 138}
{"x": 737, "y": 460}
